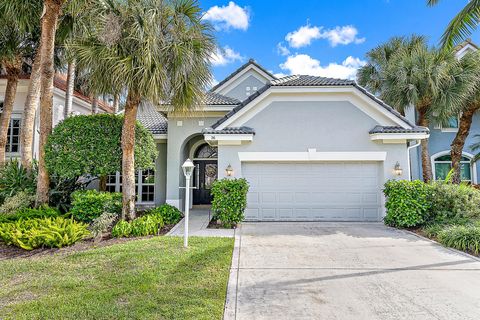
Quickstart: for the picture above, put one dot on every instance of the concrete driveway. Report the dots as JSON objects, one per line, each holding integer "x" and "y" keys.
{"x": 348, "y": 271}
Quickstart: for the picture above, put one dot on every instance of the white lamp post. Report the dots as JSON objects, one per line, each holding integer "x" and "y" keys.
{"x": 187, "y": 167}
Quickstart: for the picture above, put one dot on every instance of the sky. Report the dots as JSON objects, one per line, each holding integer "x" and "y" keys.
{"x": 324, "y": 37}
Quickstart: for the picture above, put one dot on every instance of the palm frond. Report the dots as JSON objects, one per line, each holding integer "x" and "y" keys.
{"x": 462, "y": 25}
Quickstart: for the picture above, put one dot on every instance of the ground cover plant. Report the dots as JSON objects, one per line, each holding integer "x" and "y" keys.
{"x": 152, "y": 278}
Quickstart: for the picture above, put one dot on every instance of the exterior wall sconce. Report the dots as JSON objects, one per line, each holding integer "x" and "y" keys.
{"x": 229, "y": 171}
{"x": 397, "y": 169}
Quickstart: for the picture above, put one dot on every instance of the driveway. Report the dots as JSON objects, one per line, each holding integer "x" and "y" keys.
{"x": 348, "y": 271}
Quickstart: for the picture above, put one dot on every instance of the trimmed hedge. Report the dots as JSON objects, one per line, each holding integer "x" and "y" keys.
{"x": 169, "y": 213}
{"x": 88, "y": 205}
{"x": 229, "y": 200}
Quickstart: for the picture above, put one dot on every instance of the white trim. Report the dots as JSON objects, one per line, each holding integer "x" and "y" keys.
{"x": 242, "y": 75}
{"x": 311, "y": 155}
{"x": 473, "y": 166}
{"x": 228, "y": 139}
{"x": 399, "y": 136}
{"x": 160, "y": 136}
{"x": 302, "y": 94}
{"x": 460, "y": 53}
{"x": 202, "y": 108}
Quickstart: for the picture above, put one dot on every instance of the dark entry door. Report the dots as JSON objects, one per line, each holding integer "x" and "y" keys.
{"x": 207, "y": 173}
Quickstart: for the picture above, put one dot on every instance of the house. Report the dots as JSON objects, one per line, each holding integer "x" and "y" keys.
{"x": 441, "y": 138}
{"x": 311, "y": 148}
{"x": 81, "y": 105}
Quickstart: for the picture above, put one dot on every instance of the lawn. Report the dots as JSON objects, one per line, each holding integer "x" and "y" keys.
{"x": 142, "y": 279}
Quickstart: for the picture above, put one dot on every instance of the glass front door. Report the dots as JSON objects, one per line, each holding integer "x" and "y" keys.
{"x": 207, "y": 173}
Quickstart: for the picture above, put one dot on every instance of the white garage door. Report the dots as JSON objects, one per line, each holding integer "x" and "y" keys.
{"x": 329, "y": 191}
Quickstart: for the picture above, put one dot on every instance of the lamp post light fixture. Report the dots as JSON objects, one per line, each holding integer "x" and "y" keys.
{"x": 397, "y": 169}
{"x": 229, "y": 171}
{"x": 187, "y": 168}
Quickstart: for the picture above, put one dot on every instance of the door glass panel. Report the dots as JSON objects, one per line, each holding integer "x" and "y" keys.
{"x": 210, "y": 175}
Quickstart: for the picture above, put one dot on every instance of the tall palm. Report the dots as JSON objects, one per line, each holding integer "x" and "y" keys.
{"x": 155, "y": 50}
{"x": 432, "y": 82}
{"x": 462, "y": 25}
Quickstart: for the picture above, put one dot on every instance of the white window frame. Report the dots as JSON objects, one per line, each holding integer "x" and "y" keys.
{"x": 139, "y": 186}
{"x": 473, "y": 166}
{"x": 10, "y": 136}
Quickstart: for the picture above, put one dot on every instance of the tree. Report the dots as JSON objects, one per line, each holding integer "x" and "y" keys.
{"x": 91, "y": 145}
{"x": 433, "y": 82}
{"x": 462, "y": 25}
{"x": 155, "y": 51}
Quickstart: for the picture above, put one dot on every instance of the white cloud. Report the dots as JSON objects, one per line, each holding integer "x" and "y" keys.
{"x": 340, "y": 35}
{"x": 230, "y": 16}
{"x": 224, "y": 56}
{"x": 306, "y": 65}
{"x": 303, "y": 36}
{"x": 282, "y": 50}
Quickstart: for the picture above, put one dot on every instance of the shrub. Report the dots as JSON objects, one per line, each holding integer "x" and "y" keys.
{"x": 142, "y": 226}
{"x": 20, "y": 200}
{"x": 90, "y": 204}
{"x": 31, "y": 213}
{"x": 15, "y": 178}
{"x": 45, "y": 232}
{"x": 465, "y": 238}
{"x": 101, "y": 224}
{"x": 229, "y": 200}
{"x": 453, "y": 201}
{"x": 407, "y": 203}
{"x": 169, "y": 213}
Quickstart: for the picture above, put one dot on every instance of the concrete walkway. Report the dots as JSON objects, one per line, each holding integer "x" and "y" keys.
{"x": 348, "y": 271}
{"x": 197, "y": 226}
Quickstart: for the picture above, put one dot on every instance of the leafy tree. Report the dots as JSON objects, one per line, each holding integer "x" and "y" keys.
{"x": 83, "y": 145}
{"x": 414, "y": 75}
{"x": 155, "y": 51}
{"x": 462, "y": 25}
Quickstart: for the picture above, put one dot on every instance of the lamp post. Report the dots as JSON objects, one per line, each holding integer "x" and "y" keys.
{"x": 187, "y": 168}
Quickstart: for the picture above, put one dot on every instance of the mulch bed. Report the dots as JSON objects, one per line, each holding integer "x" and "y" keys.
{"x": 11, "y": 252}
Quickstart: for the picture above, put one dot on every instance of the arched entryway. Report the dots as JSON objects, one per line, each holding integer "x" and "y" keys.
{"x": 205, "y": 158}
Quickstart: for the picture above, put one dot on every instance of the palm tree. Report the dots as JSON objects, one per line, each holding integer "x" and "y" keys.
{"x": 155, "y": 50}
{"x": 417, "y": 76}
{"x": 462, "y": 25}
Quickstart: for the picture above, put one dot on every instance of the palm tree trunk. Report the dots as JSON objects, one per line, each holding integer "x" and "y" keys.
{"x": 28, "y": 120}
{"x": 116, "y": 102}
{"x": 70, "y": 88}
{"x": 426, "y": 163}
{"x": 10, "y": 93}
{"x": 459, "y": 142}
{"x": 49, "y": 26}
{"x": 94, "y": 104}
{"x": 128, "y": 156}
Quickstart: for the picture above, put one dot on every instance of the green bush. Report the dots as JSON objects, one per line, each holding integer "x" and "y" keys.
{"x": 90, "y": 204}
{"x": 45, "y": 232}
{"x": 20, "y": 200}
{"x": 15, "y": 178}
{"x": 30, "y": 213}
{"x": 229, "y": 200}
{"x": 169, "y": 213}
{"x": 453, "y": 201}
{"x": 465, "y": 238}
{"x": 142, "y": 226}
{"x": 407, "y": 203}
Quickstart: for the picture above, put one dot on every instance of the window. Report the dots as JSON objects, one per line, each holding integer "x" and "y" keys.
{"x": 450, "y": 126}
{"x": 13, "y": 136}
{"x": 206, "y": 151}
{"x": 144, "y": 184}
{"x": 443, "y": 165}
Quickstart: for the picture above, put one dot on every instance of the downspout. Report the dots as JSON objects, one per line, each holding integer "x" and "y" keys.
{"x": 409, "y": 148}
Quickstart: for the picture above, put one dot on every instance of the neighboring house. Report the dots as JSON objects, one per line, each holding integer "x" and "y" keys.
{"x": 441, "y": 138}
{"x": 311, "y": 148}
{"x": 81, "y": 105}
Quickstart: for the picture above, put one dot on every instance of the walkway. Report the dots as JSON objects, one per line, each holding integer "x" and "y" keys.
{"x": 198, "y": 222}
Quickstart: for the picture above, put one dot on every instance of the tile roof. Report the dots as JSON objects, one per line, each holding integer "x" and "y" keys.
{"x": 230, "y": 130}
{"x": 309, "y": 81}
{"x": 215, "y": 99}
{"x": 398, "y": 129}
{"x": 151, "y": 119}
{"x": 234, "y": 73}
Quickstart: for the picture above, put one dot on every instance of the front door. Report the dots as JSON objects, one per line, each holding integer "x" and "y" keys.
{"x": 207, "y": 172}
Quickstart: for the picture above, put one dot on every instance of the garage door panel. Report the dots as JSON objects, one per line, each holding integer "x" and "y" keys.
{"x": 348, "y": 191}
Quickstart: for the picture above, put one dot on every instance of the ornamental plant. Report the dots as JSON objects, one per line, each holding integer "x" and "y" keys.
{"x": 91, "y": 145}
{"x": 169, "y": 213}
{"x": 229, "y": 201}
{"x": 88, "y": 205}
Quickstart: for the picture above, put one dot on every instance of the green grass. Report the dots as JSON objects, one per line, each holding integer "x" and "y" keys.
{"x": 142, "y": 279}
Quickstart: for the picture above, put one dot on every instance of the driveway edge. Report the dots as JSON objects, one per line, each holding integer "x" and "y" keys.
{"x": 230, "y": 310}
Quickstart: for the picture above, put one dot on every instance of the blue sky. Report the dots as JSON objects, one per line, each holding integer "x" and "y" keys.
{"x": 322, "y": 37}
